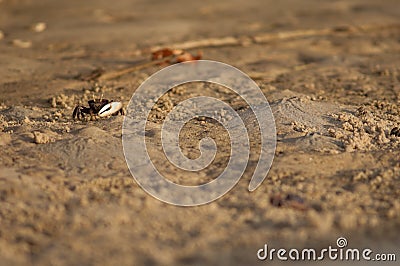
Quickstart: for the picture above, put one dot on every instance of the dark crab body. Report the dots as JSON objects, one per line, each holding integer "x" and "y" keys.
{"x": 395, "y": 131}
{"x": 98, "y": 107}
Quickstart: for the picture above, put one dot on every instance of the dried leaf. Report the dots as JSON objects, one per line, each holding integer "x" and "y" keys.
{"x": 173, "y": 56}
{"x": 165, "y": 52}
{"x": 188, "y": 57}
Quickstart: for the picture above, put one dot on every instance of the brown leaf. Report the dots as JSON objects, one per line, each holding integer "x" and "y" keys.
{"x": 173, "y": 56}
{"x": 186, "y": 56}
{"x": 165, "y": 52}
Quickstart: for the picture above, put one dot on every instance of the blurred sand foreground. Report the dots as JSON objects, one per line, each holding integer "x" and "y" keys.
{"x": 67, "y": 197}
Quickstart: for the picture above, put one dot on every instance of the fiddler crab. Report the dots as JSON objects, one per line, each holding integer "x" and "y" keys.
{"x": 395, "y": 131}
{"x": 98, "y": 107}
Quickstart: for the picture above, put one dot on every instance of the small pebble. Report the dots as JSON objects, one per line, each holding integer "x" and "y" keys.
{"x": 53, "y": 102}
{"x": 39, "y": 27}
{"x": 21, "y": 44}
{"x": 26, "y": 120}
{"x": 1, "y": 35}
{"x": 40, "y": 138}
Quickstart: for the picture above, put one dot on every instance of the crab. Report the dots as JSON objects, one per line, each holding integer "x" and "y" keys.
{"x": 98, "y": 107}
{"x": 395, "y": 131}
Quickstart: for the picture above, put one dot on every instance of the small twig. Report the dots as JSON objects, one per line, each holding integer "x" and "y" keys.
{"x": 211, "y": 42}
{"x": 279, "y": 36}
{"x": 245, "y": 40}
{"x": 268, "y": 37}
{"x": 117, "y": 73}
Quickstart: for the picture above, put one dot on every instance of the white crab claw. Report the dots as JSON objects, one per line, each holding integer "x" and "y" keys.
{"x": 110, "y": 108}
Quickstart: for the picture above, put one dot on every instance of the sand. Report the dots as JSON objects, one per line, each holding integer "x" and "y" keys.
{"x": 67, "y": 196}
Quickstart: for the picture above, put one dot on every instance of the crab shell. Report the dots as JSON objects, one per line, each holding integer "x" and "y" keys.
{"x": 110, "y": 109}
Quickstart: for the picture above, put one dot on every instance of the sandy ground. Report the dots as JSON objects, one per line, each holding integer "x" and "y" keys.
{"x": 66, "y": 194}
